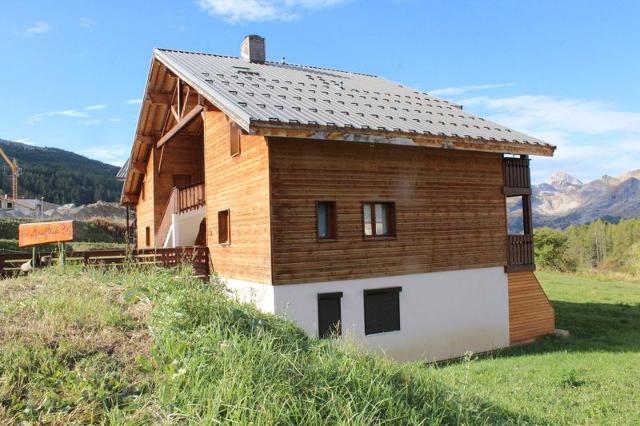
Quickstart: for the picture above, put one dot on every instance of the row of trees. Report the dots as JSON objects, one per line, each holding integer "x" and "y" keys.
{"x": 597, "y": 245}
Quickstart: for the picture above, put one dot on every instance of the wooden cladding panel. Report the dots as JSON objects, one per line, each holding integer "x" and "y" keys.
{"x": 239, "y": 184}
{"x": 145, "y": 207}
{"x": 450, "y": 211}
{"x": 530, "y": 312}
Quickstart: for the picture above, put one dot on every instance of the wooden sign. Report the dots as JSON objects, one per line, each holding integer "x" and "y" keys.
{"x": 33, "y": 234}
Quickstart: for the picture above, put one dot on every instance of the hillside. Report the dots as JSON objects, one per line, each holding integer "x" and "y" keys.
{"x": 149, "y": 346}
{"x": 565, "y": 200}
{"x": 59, "y": 176}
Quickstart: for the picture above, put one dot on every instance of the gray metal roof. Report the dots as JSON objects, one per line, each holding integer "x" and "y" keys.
{"x": 122, "y": 173}
{"x": 303, "y": 95}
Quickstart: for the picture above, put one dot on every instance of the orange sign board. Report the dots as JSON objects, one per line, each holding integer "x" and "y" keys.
{"x": 33, "y": 234}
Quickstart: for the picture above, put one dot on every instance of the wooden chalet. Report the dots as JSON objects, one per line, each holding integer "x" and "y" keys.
{"x": 343, "y": 201}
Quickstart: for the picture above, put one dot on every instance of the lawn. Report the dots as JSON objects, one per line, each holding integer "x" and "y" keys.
{"x": 591, "y": 377}
{"x": 156, "y": 346}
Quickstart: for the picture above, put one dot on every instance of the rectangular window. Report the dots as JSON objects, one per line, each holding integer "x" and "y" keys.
{"x": 329, "y": 315}
{"x": 234, "y": 138}
{"x": 326, "y": 220}
{"x": 224, "y": 232}
{"x": 142, "y": 193}
{"x": 147, "y": 236}
{"x": 379, "y": 219}
{"x": 382, "y": 310}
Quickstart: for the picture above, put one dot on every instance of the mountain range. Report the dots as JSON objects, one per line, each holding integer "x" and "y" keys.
{"x": 565, "y": 200}
{"x": 59, "y": 176}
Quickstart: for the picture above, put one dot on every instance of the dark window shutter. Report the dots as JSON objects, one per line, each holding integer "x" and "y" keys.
{"x": 329, "y": 314}
{"x": 382, "y": 310}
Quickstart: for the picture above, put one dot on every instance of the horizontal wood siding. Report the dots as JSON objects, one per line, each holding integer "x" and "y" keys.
{"x": 241, "y": 185}
{"x": 145, "y": 207}
{"x": 530, "y": 312}
{"x": 449, "y": 207}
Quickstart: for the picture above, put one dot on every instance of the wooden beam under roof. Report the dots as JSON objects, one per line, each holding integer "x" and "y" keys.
{"x": 138, "y": 167}
{"x": 399, "y": 138}
{"x": 159, "y": 97}
{"x": 185, "y": 121}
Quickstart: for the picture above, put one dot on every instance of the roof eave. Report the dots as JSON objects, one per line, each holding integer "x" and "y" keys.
{"x": 279, "y": 129}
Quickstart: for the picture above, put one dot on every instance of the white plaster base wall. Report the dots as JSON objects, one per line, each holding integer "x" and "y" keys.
{"x": 185, "y": 227}
{"x": 442, "y": 314}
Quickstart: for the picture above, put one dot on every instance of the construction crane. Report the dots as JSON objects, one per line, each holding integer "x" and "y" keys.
{"x": 13, "y": 165}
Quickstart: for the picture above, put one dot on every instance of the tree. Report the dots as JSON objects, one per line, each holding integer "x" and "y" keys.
{"x": 551, "y": 250}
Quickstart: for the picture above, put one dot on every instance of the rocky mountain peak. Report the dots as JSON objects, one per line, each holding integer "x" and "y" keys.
{"x": 563, "y": 179}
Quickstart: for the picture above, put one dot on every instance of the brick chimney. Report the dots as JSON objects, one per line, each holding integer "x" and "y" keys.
{"x": 252, "y": 49}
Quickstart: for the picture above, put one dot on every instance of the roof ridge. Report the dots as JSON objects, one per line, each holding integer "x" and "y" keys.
{"x": 191, "y": 52}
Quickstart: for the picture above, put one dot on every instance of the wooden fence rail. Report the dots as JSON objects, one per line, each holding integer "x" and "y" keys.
{"x": 167, "y": 257}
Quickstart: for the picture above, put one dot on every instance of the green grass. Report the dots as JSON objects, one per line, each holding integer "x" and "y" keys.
{"x": 156, "y": 346}
{"x": 593, "y": 376}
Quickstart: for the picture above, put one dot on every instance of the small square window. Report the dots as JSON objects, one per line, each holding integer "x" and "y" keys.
{"x": 382, "y": 310}
{"x": 234, "y": 138}
{"x": 326, "y": 220}
{"x": 379, "y": 219}
{"x": 329, "y": 315}
{"x": 224, "y": 232}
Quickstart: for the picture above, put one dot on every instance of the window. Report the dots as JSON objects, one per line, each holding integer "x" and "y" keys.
{"x": 382, "y": 310}
{"x": 234, "y": 138}
{"x": 326, "y": 220}
{"x": 224, "y": 234}
{"x": 142, "y": 193}
{"x": 147, "y": 236}
{"x": 9, "y": 205}
{"x": 180, "y": 181}
{"x": 329, "y": 315}
{"x": 379, "y": 219}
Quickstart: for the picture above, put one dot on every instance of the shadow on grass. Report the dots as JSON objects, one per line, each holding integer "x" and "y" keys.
{"x": 593, "y": 327}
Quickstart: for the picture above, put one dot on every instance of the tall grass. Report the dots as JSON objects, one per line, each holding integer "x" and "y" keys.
{"x": 149, "y": 346}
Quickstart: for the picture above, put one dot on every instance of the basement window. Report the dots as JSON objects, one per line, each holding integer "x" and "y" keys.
{"x": 326, "y": 220}
{"x": 379, "y": 220}
{"x": 234, "y": 139}
{"x": 224, "y": 230}
{"x": 382, "y": 310}
{"x": 329, "y": 315}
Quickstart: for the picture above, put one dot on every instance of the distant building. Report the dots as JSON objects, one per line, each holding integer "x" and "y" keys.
{"x": 26, "y": 206}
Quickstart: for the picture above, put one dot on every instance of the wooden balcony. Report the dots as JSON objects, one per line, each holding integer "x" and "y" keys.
{"x": 517, "y": 178}
{"x": 520, "y": 255}
{"x": 182, "y": 200}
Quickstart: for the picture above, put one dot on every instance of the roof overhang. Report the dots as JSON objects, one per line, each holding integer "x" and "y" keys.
{"x": 399, "y": 138}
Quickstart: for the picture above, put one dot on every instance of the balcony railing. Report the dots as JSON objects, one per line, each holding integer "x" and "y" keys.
{"x": 517, "y": 179}
{"x": 181, "y": 200}
{"x": 520, "y": 253}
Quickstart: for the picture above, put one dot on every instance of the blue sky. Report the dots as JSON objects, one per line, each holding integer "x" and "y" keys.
{"x": 566, "y": 71}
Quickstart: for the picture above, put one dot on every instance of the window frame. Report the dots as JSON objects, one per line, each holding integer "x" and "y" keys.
{"x": 391, "y": 225}
{"x": 322, "y": 334}
{"x": 235, "y": 134}
{"x": 378, "y": 291}
{"x": 227, "y": 214}
{"x": 332, "y": 221}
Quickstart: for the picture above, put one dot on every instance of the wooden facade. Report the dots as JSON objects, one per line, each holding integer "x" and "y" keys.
{"x": 239, "y": 184}
{"x": 530, "y": 312}
{"x": 450, "y": 211}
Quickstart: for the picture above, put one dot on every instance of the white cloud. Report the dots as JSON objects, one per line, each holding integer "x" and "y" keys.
{"x": 592, "y": 138}
{"x": 113, "y": 154}
{"x": 95, "y": 107}
{"x": 38, "y": 27}
{"x": 87, "y": 22}
{"x": 133, "y": 101}
{"x": 74, "y": 113}
{"x": 548, "y": 112}
{"x": 450, "y": 91}
{"x": 262, "y": 10}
